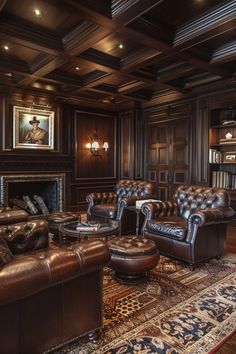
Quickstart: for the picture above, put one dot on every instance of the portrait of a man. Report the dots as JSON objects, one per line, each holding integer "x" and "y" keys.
{"x": 33, "y": 128}
{"x": 36, "y": 135}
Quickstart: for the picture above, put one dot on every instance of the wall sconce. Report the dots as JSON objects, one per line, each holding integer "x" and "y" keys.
{"x": 97, "y": 144}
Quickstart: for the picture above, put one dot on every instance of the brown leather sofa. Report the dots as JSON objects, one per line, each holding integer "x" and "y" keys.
{"x": 113, "y": 205}
{"x": 48, "y": 295}
{"x": 191, "y": 227}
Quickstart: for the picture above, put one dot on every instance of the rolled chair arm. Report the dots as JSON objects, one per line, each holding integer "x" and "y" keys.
{"x": 210, "y": 216}
{"x": 128, "y": 201}
{"x": 101, "y": 198}
{"x": 154, "y": 209}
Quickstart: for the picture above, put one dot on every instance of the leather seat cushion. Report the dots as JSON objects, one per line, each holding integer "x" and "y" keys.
{"x": 61, "y": 217}
{"x": 132, "y": 246}
{"x": 104, "y": 210}
{"x": 174, "y": 227}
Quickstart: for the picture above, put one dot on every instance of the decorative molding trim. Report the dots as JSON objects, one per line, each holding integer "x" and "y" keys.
{"x": 224, "y": 53}
{"x": 220, "y": 15}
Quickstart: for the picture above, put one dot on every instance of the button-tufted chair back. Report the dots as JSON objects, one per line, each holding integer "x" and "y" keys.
{"x": 129, "y": 188}
{"x": 193, "y": 198}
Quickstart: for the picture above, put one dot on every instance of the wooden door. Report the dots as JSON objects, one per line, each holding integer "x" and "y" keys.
{"x": 167, "y": 156}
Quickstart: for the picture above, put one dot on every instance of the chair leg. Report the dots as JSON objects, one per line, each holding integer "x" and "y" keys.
{"x": 192, "y": 266}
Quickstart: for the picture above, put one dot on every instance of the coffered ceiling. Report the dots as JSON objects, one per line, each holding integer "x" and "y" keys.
{"x": 111, "y": 52}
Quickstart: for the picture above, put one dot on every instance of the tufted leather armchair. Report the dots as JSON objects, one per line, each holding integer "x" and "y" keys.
{"x": 191, "y": 227}
{"x": 113, "y": 205}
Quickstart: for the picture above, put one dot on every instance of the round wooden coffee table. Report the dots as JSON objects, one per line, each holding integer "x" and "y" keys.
{"x": 68, "y": 232}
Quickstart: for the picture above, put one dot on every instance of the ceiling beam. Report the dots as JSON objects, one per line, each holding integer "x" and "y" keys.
{"x": 2, "y": 4}
{"x": 224, "y": 53}
{"x": 204, "y": 27}
{"x": 127, "y": 11}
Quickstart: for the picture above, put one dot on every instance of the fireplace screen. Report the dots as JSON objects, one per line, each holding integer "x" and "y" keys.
{"x": 38, "y": 194}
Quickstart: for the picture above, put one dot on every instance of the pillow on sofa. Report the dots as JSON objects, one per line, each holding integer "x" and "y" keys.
{"x": 42, "y": 206}
{"x": 5, "y": 253}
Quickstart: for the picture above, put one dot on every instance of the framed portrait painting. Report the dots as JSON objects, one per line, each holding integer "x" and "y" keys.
{"x": 33, "y": 128}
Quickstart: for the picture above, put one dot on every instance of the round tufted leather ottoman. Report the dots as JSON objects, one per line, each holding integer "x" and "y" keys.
{"x": 132, "y": 257}
{"x": 56, "y": 219}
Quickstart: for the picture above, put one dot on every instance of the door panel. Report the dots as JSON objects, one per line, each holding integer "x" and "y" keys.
{"x": 168, "y": 156}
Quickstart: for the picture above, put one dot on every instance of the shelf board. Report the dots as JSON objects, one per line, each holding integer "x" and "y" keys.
{"x": 223, "y": 144}
{"x": 223, "y": 126}
{"x": 222, "y": 163}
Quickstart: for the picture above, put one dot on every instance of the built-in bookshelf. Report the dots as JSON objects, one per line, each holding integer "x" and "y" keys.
{"x": 222, "y": 149}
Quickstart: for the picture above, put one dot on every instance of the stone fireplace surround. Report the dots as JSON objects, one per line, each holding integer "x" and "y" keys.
{"x": 51, "y": 187}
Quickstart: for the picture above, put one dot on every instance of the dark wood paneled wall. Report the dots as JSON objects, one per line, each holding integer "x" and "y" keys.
{"x": 93, "y": 173}
{"x": 176, "y": 135}
{"x": 131, "y": 148}
{"x": 73, "y": 128}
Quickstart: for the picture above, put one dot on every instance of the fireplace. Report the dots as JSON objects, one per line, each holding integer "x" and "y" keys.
{"x": 50, "y": 187}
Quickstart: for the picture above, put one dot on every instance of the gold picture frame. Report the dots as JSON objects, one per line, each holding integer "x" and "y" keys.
{"x": 33, "y": 128}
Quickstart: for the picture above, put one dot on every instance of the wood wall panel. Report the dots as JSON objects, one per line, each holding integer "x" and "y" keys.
{"x": 126, "y": 151}
{"x": 200, "y": 139}
{"x": 131, "y": 140}
{"x": 88, "y": 166}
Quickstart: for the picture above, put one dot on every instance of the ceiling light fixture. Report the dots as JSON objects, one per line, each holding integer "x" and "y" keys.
{"x": 37, "y": 12}
{"x": 121, "y": 46}
{"x": 6, "y": 47}
{"x": 77, "y": 68}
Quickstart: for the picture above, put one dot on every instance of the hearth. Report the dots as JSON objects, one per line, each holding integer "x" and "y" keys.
{"x": 50, "y": 187}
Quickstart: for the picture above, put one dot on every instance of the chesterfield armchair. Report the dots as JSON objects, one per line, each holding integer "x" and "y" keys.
{"x": 113, "y": 205}
{"x": 191, "y": 227}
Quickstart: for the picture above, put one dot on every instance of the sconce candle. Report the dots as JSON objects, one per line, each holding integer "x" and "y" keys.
{"x": 105, "y": 145}
{"x": 97, "y": 144}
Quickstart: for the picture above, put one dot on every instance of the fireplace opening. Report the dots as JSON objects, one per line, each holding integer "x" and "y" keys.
{"x": 20, "y": 191}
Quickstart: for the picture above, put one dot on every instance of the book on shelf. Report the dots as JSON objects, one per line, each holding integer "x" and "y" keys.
{"x": 223, "y": 179}
{"x": 215, "y": 156}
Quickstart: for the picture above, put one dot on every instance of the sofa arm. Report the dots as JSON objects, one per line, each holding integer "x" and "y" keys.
{"x": 210, "y": 216}
{"x": 33, "y": 272}
{"x": 11, "y": 216}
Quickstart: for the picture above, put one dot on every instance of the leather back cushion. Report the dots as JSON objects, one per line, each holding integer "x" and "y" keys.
{"x": 192, "y": 198}
{"x": 129, "y": 187}
{"x": 26, "y": 236}
{"x": 5, "y": 253}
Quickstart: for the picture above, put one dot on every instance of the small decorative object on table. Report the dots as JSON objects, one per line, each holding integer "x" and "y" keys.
{"x": 90, "y": 226}
{"x": 228, "y": 135}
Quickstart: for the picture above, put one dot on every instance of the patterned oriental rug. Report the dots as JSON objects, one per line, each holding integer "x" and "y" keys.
{"x": 175, "y": 311}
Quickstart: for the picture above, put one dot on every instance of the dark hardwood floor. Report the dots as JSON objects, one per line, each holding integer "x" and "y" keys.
{"x": 229, "y": 347}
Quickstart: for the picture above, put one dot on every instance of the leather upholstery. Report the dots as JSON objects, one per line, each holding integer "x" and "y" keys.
{"x": 26, "y": 236}
{"x": 112, "y": 205}
{"x": 56, "y": 219}
{"x": 132, "y": 246}
{"x": 11, "y": 216}
{"x": 47, "y": 293}
{"x": 192, "y": 226}
{"x": 132, "y": 257}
